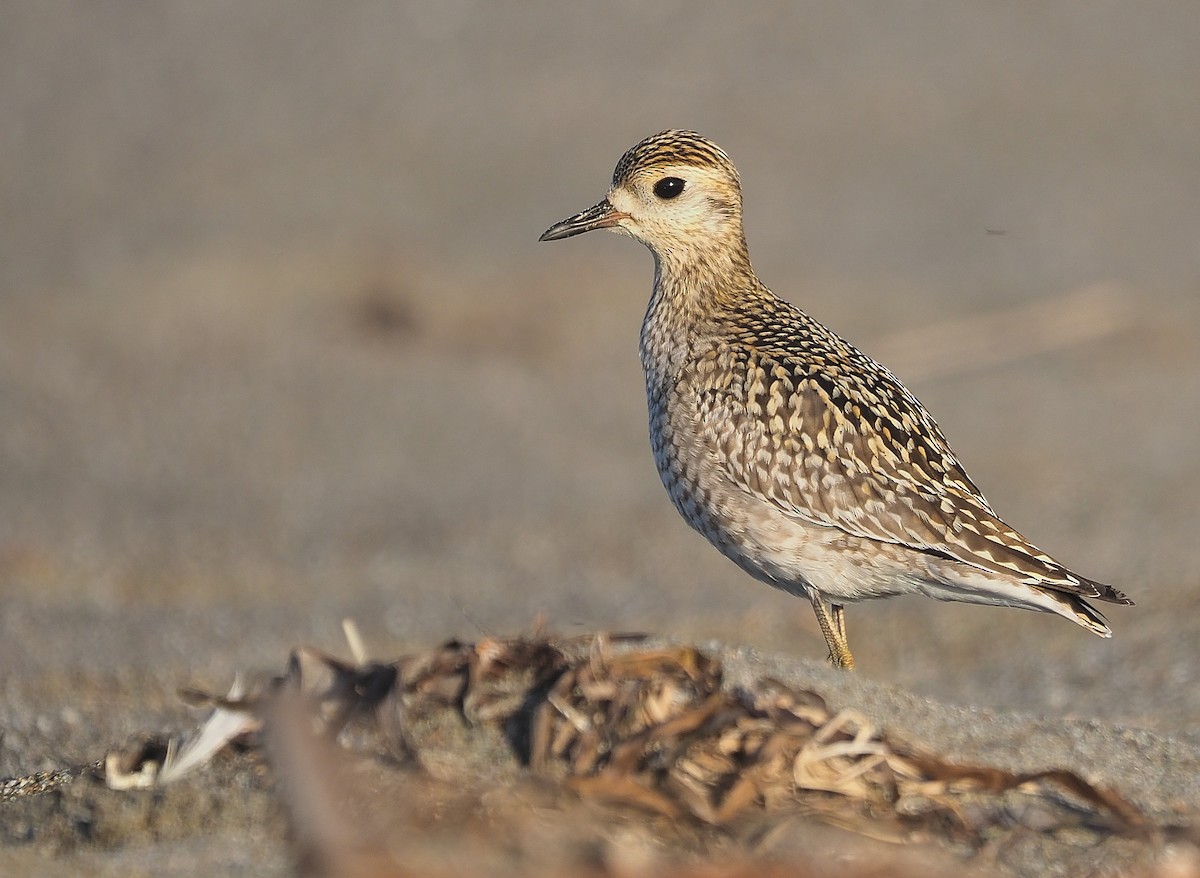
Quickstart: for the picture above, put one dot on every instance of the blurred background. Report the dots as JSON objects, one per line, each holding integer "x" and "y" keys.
{"x": 278, "y": 344}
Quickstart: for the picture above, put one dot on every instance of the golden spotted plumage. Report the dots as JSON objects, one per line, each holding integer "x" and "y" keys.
{"x": 798, "y": 456}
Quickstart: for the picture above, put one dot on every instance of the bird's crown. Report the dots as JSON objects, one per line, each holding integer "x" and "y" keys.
{"x": 673, "y": 147}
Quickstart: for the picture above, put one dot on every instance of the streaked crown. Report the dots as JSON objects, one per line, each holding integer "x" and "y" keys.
{"x": 673, "y": 147}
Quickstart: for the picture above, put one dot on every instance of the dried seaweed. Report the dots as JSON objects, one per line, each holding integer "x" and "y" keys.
{"x": 653, "y": 730}
{"x": 624, "y": 727}
{"x": 40, "y": 782}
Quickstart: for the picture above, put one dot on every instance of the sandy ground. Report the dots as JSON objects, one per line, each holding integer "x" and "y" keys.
{"x": 278, "y": 345}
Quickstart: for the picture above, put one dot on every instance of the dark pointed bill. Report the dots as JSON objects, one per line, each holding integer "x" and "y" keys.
{"x": 602, "y": 216}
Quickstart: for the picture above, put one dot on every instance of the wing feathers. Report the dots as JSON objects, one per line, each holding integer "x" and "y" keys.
{"x": 851, "y": 448}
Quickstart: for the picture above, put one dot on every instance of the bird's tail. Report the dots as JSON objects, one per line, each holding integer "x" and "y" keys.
{"x": 1082, "y": 613}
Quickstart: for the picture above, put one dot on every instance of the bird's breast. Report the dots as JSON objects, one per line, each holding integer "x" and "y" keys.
{"x": 683, "y": 376}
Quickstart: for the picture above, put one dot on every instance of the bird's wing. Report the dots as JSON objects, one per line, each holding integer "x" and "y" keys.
{"x": 841, "y": 443}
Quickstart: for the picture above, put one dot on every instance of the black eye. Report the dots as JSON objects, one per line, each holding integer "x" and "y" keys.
{"x": 668, "y": 187}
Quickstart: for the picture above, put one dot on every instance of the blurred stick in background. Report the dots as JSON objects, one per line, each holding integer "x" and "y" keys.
{"x": 997, "y": 338}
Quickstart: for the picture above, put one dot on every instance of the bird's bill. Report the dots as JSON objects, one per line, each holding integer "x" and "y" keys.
{"x": 601, "y": 216}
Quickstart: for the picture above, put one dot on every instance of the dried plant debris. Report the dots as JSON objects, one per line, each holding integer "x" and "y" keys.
{"x": 43, "y": 781}
{"x": 646, "y": 739}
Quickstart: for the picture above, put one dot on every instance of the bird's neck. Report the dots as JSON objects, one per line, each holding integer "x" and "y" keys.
{"x": 693, "y": 285}
{"x": 692, "y": 290}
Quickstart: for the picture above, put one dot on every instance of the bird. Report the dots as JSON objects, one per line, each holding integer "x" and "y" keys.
{"x": 800, "y": 458}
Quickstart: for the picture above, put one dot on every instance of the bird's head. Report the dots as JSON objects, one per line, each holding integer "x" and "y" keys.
{"x": 677, "y": 193}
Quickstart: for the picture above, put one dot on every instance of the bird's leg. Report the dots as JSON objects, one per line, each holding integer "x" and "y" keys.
{"x": 839, "y": 622}
{"x": 834, "y": 630}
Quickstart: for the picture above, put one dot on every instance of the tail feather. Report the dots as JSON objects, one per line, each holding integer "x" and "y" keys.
{"x": 1106, "y": 592}
{"x": 1081, "y": 612}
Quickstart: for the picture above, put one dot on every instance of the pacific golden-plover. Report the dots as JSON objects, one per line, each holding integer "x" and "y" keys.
{"x": 804, "y": 461}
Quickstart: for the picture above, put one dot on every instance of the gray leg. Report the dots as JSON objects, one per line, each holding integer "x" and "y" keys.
{"x": 839, "y": 621}
{"x": 834, "y": 629}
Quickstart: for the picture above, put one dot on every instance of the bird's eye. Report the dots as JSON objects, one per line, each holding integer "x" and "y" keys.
{"x": 668, "y": 187}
